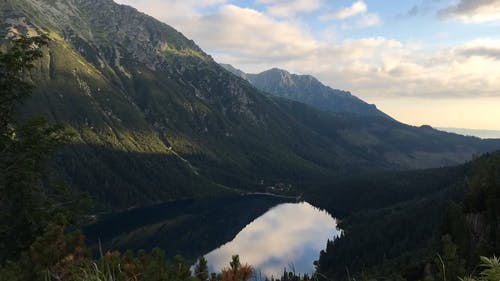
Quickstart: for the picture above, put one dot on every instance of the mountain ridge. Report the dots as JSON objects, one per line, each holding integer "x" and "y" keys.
{"x": 307, "y": 89}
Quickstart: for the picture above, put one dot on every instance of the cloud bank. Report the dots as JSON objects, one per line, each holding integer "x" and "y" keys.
{"x": 473, "y": 11}
{"x": 373, "y": 67}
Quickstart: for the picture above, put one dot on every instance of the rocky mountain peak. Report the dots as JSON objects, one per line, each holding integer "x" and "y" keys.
{"x": 307, "y": 89}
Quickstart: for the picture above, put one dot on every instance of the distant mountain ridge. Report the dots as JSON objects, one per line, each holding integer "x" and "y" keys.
{"x": 307, "y": 89}
{"x": 157, "y": 119}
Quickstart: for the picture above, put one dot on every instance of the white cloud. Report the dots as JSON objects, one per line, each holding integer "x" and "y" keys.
{"x": 249, "y": 35}
{"x": 485, "y": 48}
{"x": 172, "y": 11}
{"x": 473, "y": 11}
{"x": 356, "y": 8}
{"x": 289, "y": 8}
{"x": 367, "y": 20}
{"x": 355, "y": 16}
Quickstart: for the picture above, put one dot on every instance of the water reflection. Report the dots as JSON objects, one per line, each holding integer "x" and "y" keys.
{"x": 287, "y": 235}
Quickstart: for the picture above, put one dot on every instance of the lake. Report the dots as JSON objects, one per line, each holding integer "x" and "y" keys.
{"x": 290, "y": 235}
{"x": 190, "y": 228}
{"x": 268, "y": 232}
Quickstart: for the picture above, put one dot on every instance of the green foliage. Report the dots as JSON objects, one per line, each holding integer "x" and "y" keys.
{"x": 378, "y": 240}
{"x": 449, "y": 263}
{"x": 64, "y": 257}
{"x": 26, "y": 208}
{"x": 376, "y": 190}
{"x": 201, "y": 269}
{"x": 14, "y": 66}
{"x": 454, "y": 222}
{"x": 490, "y": 272}
{"x": 55, "y": 253}
{"x": 491, "y": 269}
{"x": 143, "y": 266}
{"x": 453, "y": 225}
{"x": 94, "y": 274}
{"x": 482, "y": 204}
{"x": 474, "y": 225}
{"x": 484, "y": 185}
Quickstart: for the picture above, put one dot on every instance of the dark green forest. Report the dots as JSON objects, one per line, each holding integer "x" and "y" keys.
{"x": 450, "y": 226}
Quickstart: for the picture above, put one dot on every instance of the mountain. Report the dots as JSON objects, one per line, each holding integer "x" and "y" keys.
{"x": 308, "y": 90}
{"x": 236, "y": 71}
{"x": 157, "y": 119}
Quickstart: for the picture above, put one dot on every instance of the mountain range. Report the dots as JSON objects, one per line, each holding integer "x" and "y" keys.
{"x": 307, "y": 89}
{"x": 155, "y": 118}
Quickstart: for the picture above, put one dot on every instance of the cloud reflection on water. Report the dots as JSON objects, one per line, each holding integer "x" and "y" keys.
{"x": 288, "y": 234}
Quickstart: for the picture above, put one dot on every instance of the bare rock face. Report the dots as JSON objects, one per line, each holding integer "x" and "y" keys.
{"x": 114, "y": 31}
{"x": 120, "y": 39}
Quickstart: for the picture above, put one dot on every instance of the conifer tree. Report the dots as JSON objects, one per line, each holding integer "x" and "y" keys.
{"x": 201, "y": 269}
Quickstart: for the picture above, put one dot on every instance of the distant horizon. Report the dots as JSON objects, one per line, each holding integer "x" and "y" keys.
{"x": 483, "y": 134}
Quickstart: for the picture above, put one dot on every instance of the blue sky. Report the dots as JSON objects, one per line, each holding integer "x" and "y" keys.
{"x": 433, "y": 62}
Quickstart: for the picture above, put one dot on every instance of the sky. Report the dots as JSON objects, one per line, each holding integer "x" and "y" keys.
{"x": 434, "y": 62}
